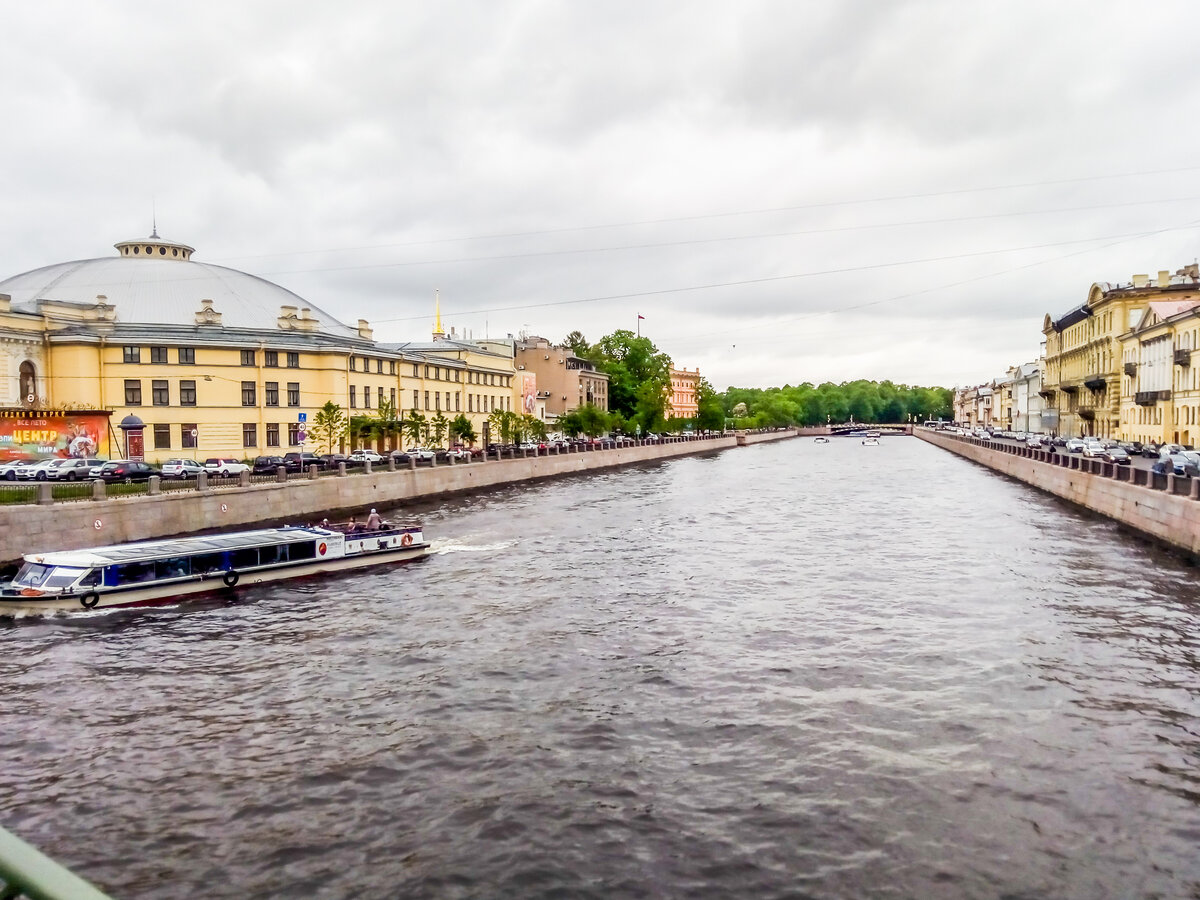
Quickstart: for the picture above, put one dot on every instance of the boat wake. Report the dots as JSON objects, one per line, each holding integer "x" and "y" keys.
{"x": 453, "y": 545}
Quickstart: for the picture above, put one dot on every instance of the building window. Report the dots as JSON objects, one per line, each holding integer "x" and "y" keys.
{"x": 272, "y": 434}
{"x": 158, "y": 354}
{"x": 415, "y": 399}
{"x": 427, "y": 399}
{"x": 272, "y": 391}
{"x": 427, "y": 371}
{"x": 437, "y": 400}
{"x": 248, "y": 395}
{"x": 249, "y": 434}
{"x": 293, "y": 434}
{"x": 380, "y": 395}
{"x": 271, "y": 358}
{"x": 162, "y": 437}
{"x": 293, "y": 360}
{"x": 28, "y": 382}
{"x": 187, "y": 393}
{"x": 187, "y": 356}
{"x": 393, "y": 397}
{"x": 133, "y": 354}
{"x": 247, "y": 357}
{"x": 160, "y": 394}
{"x": 366, "y": 396}
{"x": 391, "y": 367}
{"x": 293, "y": 393}
{"x": 416, "y": 370}
{"x": 457, "y": 401}
{"x": 353, "y": 397}
{"x": 133, "y": 392}
{"x": 187, "y": 434}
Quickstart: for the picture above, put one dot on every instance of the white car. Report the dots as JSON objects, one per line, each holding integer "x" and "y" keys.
{"x": 223, "y": 467}
{"x": 366, "y": 456}
{"x": 1094, "y": 449}
{"x": 421, "y": 454}
{"x": 181, "y": 468}
{"x": 459, "y": 453}
{"x": 38, "y": 471}
{"x": 1074, "y": 445}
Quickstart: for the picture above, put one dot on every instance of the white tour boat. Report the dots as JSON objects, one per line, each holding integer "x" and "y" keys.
{"x": 162, "y": 571}
{"x": 871, "y": 442}
{"x": 821, "y": 440}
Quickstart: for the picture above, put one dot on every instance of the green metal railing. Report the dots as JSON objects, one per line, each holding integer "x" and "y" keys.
{"x": 27, "y": 872}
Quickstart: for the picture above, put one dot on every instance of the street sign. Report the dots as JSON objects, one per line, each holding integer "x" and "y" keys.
{"x": 301, "y": 417}
{"x": 302, "y": 436}
{"x": 195, "y": 432}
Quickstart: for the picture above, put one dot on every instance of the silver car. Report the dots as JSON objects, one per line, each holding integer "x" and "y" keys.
{"x": 37, "y": 471}
{"x": 74, "y": 469}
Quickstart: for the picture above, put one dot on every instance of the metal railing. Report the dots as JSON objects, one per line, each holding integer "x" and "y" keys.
{"x": 27, "y": 872}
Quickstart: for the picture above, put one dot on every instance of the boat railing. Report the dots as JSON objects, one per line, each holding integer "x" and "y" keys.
{"x": 27, "y": 872}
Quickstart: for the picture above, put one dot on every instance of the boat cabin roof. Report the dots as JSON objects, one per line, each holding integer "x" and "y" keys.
{"x": 184, "y": 546}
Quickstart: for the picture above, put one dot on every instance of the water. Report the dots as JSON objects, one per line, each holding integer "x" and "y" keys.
{"x": 788, "y": 670}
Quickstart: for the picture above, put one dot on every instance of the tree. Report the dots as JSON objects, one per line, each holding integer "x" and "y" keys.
{"x": 578, "y": 345}
{"x": 438, "y": 427}
{"x": 710, "y": 415}
{"x": 504, "y": 423}
{"x": 389, "y": 423}
{"x": 415, "y": 426}
{"x": 329, "y": 424}
{"x": 533, "y": 426}
{"x": 638, "y": 375}
{"x": 462, "y": 431}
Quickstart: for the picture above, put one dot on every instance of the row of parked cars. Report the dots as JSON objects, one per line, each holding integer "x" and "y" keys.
{"x": 1169, "y": 458}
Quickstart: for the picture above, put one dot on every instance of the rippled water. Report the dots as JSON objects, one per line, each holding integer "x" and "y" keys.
{"x": 788, "y": 670}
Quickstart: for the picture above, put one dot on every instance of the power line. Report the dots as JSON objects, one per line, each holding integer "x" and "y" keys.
{"x": 731, "y": 214}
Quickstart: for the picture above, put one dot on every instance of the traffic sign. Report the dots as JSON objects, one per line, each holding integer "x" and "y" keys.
{"x": 301, "y": 417}
{"x": 195, "y": 432}
{"x": 302, "y": 436}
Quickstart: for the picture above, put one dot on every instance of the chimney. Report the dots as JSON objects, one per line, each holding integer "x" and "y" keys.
{"x": 1164, "y": 278}
{"x": 364, "y": 330}
{"x": 1140, "y": 281}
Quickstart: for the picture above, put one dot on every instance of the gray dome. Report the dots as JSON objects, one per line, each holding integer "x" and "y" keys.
{"x": 155, "y": 282}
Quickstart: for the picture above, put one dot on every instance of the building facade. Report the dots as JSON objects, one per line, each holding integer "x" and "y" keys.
{"x": 1082, "y": 378}
{"x": 215, "y": 362}
{"x": 564, "y": 381}
{"x": 1160, "y": 395}
{"x": 681, "y": 400}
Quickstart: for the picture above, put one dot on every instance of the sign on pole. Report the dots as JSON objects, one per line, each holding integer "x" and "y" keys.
{"x": 302, "y": 436}
{"x": 301, "y": 417}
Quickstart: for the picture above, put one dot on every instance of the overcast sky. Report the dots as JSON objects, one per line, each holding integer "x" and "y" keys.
{"x": 788, "y": 192}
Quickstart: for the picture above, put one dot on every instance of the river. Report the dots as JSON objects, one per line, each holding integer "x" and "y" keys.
{"x": 785, "y": 670}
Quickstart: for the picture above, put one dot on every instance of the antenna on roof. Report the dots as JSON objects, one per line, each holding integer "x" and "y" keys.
{"x": 154, "y": 218}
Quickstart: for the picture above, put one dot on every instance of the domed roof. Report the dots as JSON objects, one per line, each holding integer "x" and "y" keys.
{"x": 156, "y": 282}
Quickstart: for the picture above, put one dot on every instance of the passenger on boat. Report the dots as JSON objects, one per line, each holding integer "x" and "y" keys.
{"x": 374, "y": 521}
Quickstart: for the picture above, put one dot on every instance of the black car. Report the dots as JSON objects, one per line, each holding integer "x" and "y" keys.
{"x": 331, "y": 460}
{"x": 1116, "y": 455}
{"x": 125, "y": 471}
{"x": 299, "y": 462}
{"x": 266, "y": 465}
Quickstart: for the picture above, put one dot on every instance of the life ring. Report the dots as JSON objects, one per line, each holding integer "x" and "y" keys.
{"x": 89, "y": 600}
{"x": 406, "y": 540}
{"x": 321, "y": 548}
{"x": 230, "y": 578}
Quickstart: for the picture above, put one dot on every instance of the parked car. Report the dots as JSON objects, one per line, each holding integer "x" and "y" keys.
{"x": 8, "y": 469}
{"x": 38, "y": 470}
{"x": 458, "y": 453}
{"x": 1074, "y": 445}
{"x": 1182, "y": 465}
{"x": 181, "y": 468}
{"x": 299, "y": 462}
{"x": 74, "y": 469}
{"x": 266, "y": 465}
{"x": 331, "y": 460}
{"x": 223, "y": 466}
{"x": 1035, "y": 441}
{"x": 422, "y": 454}
{"x": 370, "y": 456}
{"x": 1117, "y": 456}
{"x": 126, "y": 471}
{"x": 1169, "y": 449}
{"x": 1093, "y": 449}
{"x": 401, "y": 458}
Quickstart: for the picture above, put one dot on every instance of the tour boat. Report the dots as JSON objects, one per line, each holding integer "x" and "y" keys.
{"x": 871, "y": 442}
{"x": 163, "y": 571}
{"x": 821, "y": 440}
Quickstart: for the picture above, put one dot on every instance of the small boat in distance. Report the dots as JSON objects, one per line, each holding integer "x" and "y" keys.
{"x": 144, "y": 573}
{"x": 821, "y": 439}
{"x": 870, "y": 442}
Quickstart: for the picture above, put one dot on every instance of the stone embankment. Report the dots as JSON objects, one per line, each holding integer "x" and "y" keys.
{"x": 1163, "y": 507}
{"x": 91, "y": 523}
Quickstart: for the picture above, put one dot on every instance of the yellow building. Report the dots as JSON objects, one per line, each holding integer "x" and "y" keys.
{"x": 1160, "y": 396}
{"x": 1083, "y": 372}
{"x": 681, "y": 396}
{"x": 214, "y": 361}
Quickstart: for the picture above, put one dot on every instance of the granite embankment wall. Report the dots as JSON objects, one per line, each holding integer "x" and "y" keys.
{"x": 1162, "y": 507}
{"x": 91, "y": 523}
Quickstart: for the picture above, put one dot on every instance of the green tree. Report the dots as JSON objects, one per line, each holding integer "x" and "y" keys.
{"x": 330, "y": 425}
{"x": 638, "y": 376}
{"x": 533, "y": 426}
{"x": 576, "y": 342}
{"x": 438, "y": 426}
{"x": 503, "y": 424}
{"x": 710, "y": 415}
{"x": 462, "y": 431}
{"x": 415, "y": 427}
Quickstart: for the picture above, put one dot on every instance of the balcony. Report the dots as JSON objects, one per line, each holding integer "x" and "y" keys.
{"x": 1183, "y": 357}
{"x": 1131, "y": 369}
{"x": 1069, "y": 387}
{"x": 1149, "y": 398}
{"x": 1095, "y": 382}
{"x": 1046, "y": 392}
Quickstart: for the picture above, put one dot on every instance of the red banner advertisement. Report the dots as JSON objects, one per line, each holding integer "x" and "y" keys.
{"x": 37, "y": 433}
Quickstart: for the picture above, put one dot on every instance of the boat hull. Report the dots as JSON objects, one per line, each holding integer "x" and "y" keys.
{"x": 159, "y": 593}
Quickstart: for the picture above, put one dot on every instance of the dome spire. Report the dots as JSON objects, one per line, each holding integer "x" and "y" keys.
{"x": 438, "y": 331}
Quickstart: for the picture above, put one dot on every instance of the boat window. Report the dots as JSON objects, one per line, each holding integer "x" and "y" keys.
{"x": 307, "y": 550}
{"x": 92, "y": 578}
{"x": 177, "y": 567}
{"x": 133, "y": 573}
{"x": 245, "y": 558}
{"x": 63, "y": 576}
{"x": 208, "y": 562}
{"x": 32, "y": 575}
{"x": 270, "y": 555}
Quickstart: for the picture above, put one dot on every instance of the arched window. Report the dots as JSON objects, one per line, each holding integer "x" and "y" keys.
{"x": 28, "y": 381}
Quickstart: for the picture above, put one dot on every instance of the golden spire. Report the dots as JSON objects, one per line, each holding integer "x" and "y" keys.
{"x": 437, "y": 316}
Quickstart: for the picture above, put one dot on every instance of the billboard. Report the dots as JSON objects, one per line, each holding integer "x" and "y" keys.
{"x": 529, "y": 393}
{"x": 26, "y": 433}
